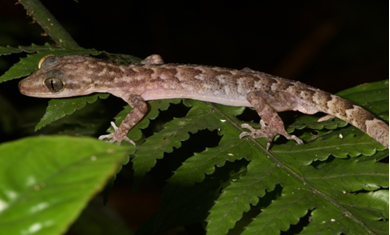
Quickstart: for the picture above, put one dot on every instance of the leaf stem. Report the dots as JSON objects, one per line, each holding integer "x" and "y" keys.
{"x": 50, "y": 25}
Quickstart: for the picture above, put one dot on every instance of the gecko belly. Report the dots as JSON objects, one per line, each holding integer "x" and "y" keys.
{"x": 219, "y": 98}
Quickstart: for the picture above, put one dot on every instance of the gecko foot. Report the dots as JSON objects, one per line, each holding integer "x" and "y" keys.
{"x": 267, "y": 132}
{"x": 116, "y": 136}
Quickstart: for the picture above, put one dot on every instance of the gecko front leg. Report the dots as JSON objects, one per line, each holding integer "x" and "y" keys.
{"x": 271, "y": 123}
{"x": 136, "y": 114}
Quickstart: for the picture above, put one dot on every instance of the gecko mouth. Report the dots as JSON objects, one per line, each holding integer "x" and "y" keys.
{"x": 22, "y": 88}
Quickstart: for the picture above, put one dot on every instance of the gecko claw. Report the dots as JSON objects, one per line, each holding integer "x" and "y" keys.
{"x": 115, "y": 136}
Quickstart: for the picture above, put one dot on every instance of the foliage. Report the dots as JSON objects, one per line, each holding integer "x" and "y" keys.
{"x": 334, "y": 183}
{"x": 45, "y": 183}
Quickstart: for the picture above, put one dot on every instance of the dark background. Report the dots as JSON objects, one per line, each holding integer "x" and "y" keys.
{"x": 332, "y": 45}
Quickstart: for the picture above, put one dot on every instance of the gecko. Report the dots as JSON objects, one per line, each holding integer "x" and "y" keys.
{"x": 152, "y": 79}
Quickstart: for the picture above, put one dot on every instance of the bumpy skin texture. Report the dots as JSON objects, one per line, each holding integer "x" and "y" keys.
{"x": 152, "y": 79}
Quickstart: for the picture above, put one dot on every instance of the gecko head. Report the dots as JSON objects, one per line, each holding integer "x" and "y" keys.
{"x": 58, "y": 77}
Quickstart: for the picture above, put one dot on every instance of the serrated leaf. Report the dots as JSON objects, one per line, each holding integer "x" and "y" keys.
{"x": 342, "y": 143}
{"x": 282, "y": 213}
{"x": 23, "y": 68}
{"x": 9, "y": 50}
{"x": 29, "y": 49}
{"x": 311, "y": 121}
{"x": 238, "y": 196}
{"x": 314, "y": 177}
{"x": 201, "y": 116}
{"x": 45, "y": 182}
{"x": 332, "y": 185}
{"x": 179, "y": 199}
{"x": 177, "y": 130}
{"x": 29, "y": 64}
{"x": 346, "y": 176}
{"x": 58, "y": 108}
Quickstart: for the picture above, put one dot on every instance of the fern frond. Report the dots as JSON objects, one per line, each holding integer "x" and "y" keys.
{"x": 201, "y": 116}
{"x": 341, "y": 143}
{"x": 242, "y": 193}
{"x": 315, "y": 178}
{"x": 29, "y": 64}
{"x": 286, "y": 210}
{"x": 58, "y": 108}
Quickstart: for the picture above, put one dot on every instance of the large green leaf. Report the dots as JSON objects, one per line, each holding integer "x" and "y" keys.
{"x": 45, "y": 182}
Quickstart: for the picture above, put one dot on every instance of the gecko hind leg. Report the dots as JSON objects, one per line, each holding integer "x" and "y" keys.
{"x": 271, "y": 123}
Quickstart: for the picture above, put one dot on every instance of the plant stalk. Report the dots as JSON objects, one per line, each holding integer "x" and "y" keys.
{"x": 49, "y": 24}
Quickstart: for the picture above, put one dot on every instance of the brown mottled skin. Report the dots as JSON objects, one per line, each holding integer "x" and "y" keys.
{"x": 152, "y": 79}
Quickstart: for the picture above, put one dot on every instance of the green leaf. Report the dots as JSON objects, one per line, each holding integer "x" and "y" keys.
{"x": 58, "y": 108}
{"x": 238, "y": 196}
{"x": 29, "y": 49}
{"x": 342, "y": 143}
{"x": 29, "y": 64}
{"x": 284, "y": 211}
{"x": 201, "y": 116}
{"x": 316, "y": 177}
{"x": 45, "y": 182}
{"x": 335, "y": 187}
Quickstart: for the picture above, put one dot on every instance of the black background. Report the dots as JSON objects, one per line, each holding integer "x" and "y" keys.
{"x": 332, "y": 45}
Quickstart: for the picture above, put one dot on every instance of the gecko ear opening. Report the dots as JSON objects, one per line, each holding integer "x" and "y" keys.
{"x": 46, "y": 60}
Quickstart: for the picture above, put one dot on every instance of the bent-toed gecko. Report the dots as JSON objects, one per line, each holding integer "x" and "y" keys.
{"x": 151, "y": 79}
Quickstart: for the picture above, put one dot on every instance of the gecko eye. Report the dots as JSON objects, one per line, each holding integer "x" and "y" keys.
{"x": 46, "y": 60}
{"x": 54, "y": 84}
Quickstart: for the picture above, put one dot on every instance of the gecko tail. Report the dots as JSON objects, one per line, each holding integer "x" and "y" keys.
{"x": 358, "y": 117}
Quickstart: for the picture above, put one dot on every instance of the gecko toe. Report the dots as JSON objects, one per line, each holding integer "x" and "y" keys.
{"x": 267, "y": 132}
{"x": 325, "y": 118}
{"x": 113, "y": 138}
{"x": 293, "y": 137}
